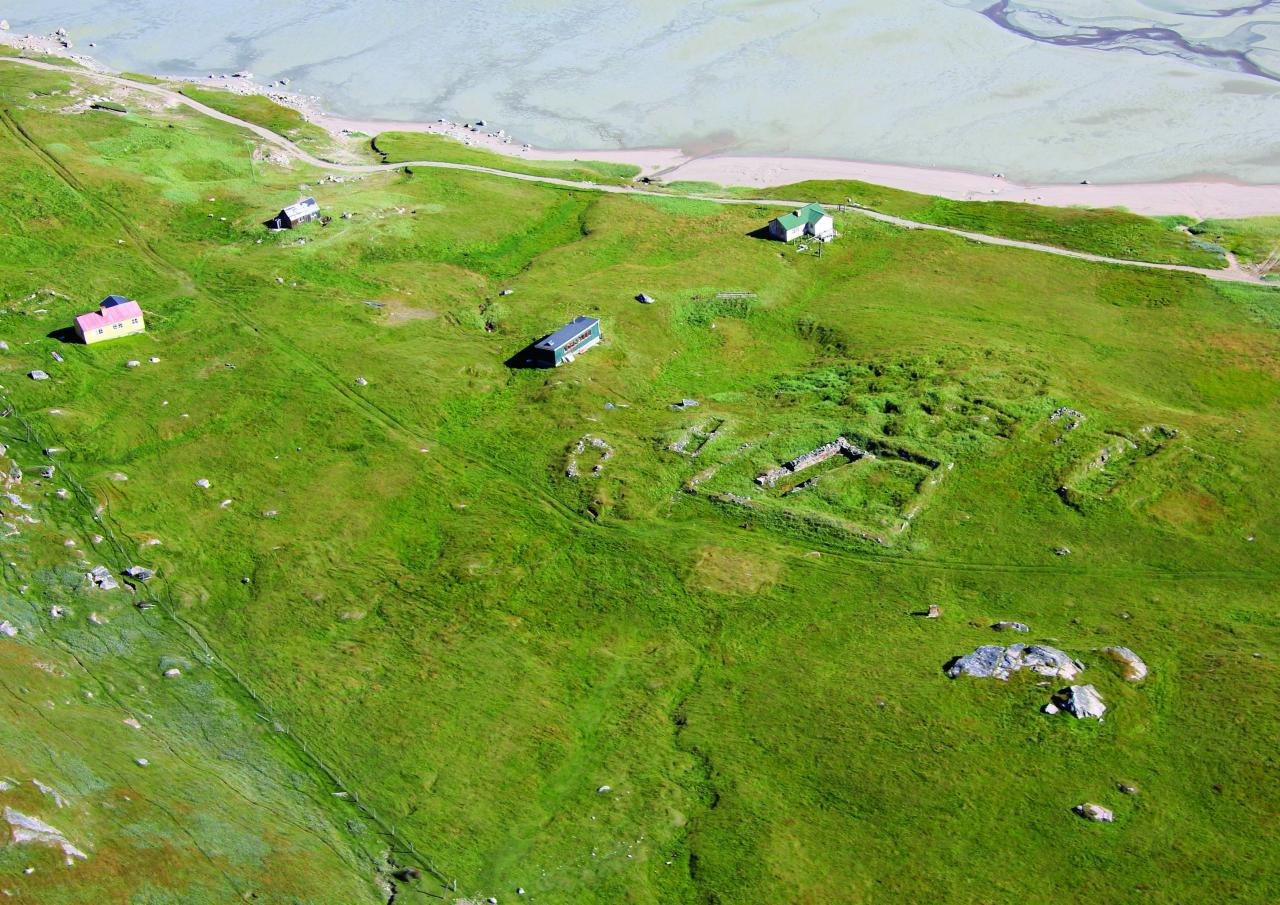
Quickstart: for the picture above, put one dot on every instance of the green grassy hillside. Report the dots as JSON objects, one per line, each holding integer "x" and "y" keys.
{"x": 655, "y": 683}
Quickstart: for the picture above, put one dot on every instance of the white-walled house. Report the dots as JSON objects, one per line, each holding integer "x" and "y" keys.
{"x": 810, "y": 220}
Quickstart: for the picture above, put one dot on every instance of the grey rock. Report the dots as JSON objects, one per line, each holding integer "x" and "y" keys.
{"x": 983, "y": 663}
{"x": 140, "y": 573}
{"x": 1127, "y": 789}
{"x": 1049, "y": 661}
{"x": 645, "y": 299}
{"x": 1094, "y": 812}
{"x": 1011, "y": 627}
{"x": 1083, "y": 701}
{"x": 38, "y": 375}
{"x": 1050, "y": 708}
{"x": 202, "y": 482}
{"x": 993, "y": 661}
{"x": 1134, "y": 669}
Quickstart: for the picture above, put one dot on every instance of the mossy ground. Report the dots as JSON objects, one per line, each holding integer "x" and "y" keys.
{"x": 474, "y": 643}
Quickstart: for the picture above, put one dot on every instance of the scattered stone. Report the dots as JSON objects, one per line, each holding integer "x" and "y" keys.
{"x": 142, "y": 762}
{"x": 1127, "y": 789}
{"x": 684, "y": 404}
{"x": 38, "y": 375}
{"x": 8, "y": 629}
{"x": 56, "y": 612}
{"x": 46, "y": 471}
{"x": 131, "y": 723}
{"x": 202, "y": 482}
{"x": 140, "y": 573}
{"x": 172, "y": 673}
{"x": 1011, "y": 627}
{"x": 1134, "y": 669}
{"x": 56, "y": 356}
{"x": 506, "y": 292}
{"x": 1062, "y": 551}
{"x": 154, "y": 360}
{"x": 132, "y": 363}
{"x": 604, "y": 790}
{"x": 361, "y": 382}
{"x": 225, "y": 503}
{"x": 1095, "y": 812}
{"x": 645, "y": 299}
{"x": 97, "y": 619}
{"x": 1050, "y": 708}
{"x": 270, "y": 513}
{"x": 1082, "y": 701}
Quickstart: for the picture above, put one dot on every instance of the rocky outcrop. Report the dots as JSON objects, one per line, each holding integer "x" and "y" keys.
{"x": 1082, "y": 701}
{"x": 1134, "y": 669}
{"x": 993, "y": 661}
{"x": 33, "y": 830}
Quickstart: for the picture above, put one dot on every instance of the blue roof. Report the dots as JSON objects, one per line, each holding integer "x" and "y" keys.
{"x": 112, "y": 300}
{"x": 569, "y": 331}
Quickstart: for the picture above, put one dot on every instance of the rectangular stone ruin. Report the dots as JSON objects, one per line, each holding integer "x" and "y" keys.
{"x": 837, "y": 447}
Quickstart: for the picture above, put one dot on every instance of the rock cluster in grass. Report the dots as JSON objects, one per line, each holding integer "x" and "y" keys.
{"x": 838, "y": 446}
{"x": 100, "y": 577}
{"x": 606, "y": 453}
{"x": 994, "y": 661}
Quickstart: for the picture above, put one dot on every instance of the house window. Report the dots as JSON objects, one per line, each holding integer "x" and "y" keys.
{"x": 100, "y": 331}
{"x": 134, "y": 321}
{"x": 116, "y": 326}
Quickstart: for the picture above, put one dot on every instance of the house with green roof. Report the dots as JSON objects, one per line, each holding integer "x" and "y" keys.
{"x": 810, "y": 220}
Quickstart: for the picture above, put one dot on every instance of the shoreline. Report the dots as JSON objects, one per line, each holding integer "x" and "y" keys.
{"x": 1208, "y": 197}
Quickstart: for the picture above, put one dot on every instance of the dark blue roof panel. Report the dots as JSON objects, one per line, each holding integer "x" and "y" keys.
{"x": 569, "y": 331}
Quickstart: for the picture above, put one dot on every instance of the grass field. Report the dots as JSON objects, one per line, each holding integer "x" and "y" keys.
{"x": 397, "y": 147}
{"x": 1110, "y": 232}
{"x": 390, "y": 588}
{"x": 264, "y": 112}
{"x": 1253, "y": 239}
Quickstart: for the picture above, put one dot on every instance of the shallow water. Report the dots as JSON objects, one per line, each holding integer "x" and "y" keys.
{"x": 1060, "y": 90}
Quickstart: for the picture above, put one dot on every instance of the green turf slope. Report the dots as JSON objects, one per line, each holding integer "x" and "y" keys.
{"x": 429, "y": 615}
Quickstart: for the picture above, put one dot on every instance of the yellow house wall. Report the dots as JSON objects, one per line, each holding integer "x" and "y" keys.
{"x": 110, "y": 332}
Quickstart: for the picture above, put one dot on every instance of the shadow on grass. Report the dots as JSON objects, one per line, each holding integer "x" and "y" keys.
{"x": 65, "y": 335}
{"x": 526, "y": 358}
{"x": 762, "y": 234}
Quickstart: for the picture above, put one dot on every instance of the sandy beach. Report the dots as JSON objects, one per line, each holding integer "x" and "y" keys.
{"x": 1202, "y": 198}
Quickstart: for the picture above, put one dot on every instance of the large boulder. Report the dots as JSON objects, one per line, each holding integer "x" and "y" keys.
{"x": 1083, "y": 701}
{"x": 1049, "y": 661}
{"x": 1094, "y": 812}
{"x": 1130, "y": 663}
{"x": 986, "y": 662}
{"x": 993, "y": 661}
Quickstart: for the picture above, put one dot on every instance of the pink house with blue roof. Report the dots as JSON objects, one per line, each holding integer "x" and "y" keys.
{"x": 116, "y": 316}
